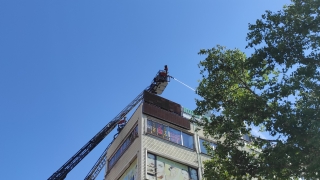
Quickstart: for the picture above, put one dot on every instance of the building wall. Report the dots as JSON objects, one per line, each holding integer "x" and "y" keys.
{"x": 169, "y": 150}
{"x": 131, "y": 153}
{"x": 147, "y": 143}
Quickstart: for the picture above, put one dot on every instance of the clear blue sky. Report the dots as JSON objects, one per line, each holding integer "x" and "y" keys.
{"x": 68, "y": 67}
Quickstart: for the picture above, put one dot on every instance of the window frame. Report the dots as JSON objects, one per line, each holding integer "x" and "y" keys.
{"x": 213, "y": 145}
{"x": 134, "y": 133}
{"x": 168, "y": 137}
{"x": 192, "y": 137}
{"x": 155, "y": 160}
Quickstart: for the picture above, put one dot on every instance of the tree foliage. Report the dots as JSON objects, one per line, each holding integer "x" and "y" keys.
{"x": 276, "y": 88}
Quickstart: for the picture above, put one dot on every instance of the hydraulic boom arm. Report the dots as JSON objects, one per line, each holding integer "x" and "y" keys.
{"x": 157, "y": 86}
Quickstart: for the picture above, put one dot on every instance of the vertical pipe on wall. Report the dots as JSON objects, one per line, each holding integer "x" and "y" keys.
{"x": 197, "y": 151}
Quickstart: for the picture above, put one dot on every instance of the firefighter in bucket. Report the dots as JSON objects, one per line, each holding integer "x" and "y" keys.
{"x": 121, "y": 124}
{"x": 162, "y": 76}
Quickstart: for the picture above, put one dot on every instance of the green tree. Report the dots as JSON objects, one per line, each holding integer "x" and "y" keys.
{"x": 277, "y": 88}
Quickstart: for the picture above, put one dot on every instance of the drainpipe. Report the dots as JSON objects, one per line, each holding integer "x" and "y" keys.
{"x": 198, "y": 152}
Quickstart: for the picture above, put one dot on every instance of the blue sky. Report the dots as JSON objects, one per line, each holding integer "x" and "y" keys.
{"x": 68, "y": 67}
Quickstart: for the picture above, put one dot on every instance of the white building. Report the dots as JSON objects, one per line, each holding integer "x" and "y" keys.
{"x": 158, "y": 142}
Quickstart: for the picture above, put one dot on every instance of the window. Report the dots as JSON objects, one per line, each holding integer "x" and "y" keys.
{"x": 123, "y": 147}
{"x": 166, "y": 132}
{"x": 171, "y": 134}
{"x": 160, "y": 130}
{"x": 151, "y": 161}
{"x": 157, "y": 129}
{"x": 187, "y": 140}
{"x": 193, "y": 174}
{"x": 246, "y": 137}
{"x": 131, "y": 173}
{"x": 154, "y": 128}
{"x": 159, "y": 168}
{"x": 175, "y": 135}
{"x": 149, "y": 126}
{"x": 203, "y": 147}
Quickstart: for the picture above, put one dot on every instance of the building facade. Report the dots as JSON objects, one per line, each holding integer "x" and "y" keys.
{"x": 158, "y": 143}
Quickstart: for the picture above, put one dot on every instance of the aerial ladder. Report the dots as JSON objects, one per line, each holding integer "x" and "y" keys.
{"x": 157, "y": 86}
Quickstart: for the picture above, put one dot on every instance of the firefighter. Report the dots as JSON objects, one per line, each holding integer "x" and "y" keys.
{"x": 121, "y": 124}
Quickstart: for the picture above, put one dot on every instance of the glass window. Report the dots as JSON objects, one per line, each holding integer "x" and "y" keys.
{"x": 154, "y": 128}
{"x": 164, "y": 169}
{"x": 246, "y": 137}
{"x": 213, "y": 145}
{"x": 131, "y": 173}
{"x": 187, "y": 140}
{"x": 117, "y": 154}
{"x": 149, "y": 126}
{"x": 123, "y": 147}
{"x": 136, "y": 132}
{"x": 171, "y": 134}
{"x": 111, "y": 161}
{"x": 193, "y": 174}
{"x": 126, "y": 143}
{"x": 166, "y": 133}
{"x": 161, "y": 169}
{"x": 203, "y": 148}
{"x": 174, "y": 135}
{"x": 151, "y": 171}
{"x": 160, "y": 130}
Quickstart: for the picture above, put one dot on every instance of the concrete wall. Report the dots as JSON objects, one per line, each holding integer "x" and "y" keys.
{"x": 167, "y": 149}
{"x": 148, "y": 143}
{"x": 131, "y": 153}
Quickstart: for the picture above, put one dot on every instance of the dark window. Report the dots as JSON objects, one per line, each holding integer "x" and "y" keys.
{"x": 111, "y": 161}
{"x": 136, "y": 132}
{"x": 123, "y": 147}
{"x": 187, "y": 140}
{"x": 118, "y": 154}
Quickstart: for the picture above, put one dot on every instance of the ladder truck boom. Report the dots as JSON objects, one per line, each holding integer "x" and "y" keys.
{"x": 157, "y": 86}
{"x": 101, "y": 162}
